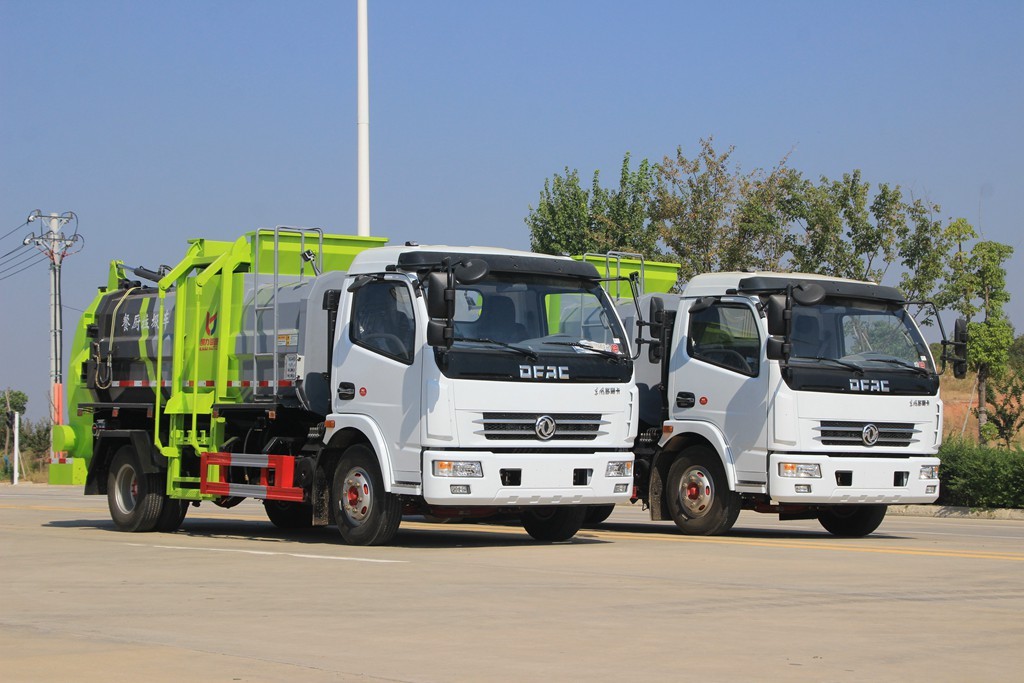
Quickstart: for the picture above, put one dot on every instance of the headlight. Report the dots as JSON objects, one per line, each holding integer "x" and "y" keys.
{"x": 458, "y": 468}
{"x": 800, "y": 470}
{"x": 619, "y": 468}
{"x": 929, "y": 472}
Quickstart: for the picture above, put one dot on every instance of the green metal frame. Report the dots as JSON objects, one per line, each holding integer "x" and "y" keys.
{"x": 209, "y": 278}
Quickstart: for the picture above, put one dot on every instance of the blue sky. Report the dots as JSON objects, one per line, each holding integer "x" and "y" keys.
{"x": 155, "y": 122}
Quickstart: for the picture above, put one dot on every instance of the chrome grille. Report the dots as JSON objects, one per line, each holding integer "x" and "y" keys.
{"x": 568, "y": 426}
{"x": 849, "y": 433}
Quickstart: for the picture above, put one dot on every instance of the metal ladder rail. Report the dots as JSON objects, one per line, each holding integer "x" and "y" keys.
{"x": 258, "y": 309}
{"x": 618, "y": 256}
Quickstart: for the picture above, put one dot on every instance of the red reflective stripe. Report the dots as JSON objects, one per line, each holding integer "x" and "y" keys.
{"x": 284, "y": 477}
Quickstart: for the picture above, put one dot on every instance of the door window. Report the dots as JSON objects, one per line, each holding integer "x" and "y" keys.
{"x": 382, "y": 319}
{"x": 726, "y": 335}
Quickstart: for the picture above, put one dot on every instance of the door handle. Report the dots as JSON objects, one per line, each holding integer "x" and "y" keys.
{"x": 685, "y": 399}
{"x": 346, "y": 391}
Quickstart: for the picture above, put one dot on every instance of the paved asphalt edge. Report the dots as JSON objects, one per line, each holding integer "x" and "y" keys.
{"x": 899, "y": 510}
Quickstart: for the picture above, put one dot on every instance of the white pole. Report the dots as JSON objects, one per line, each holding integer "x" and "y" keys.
{"x": 17, "y": 448}
{"x": 57, "y": 248}
{"x": 363, "y": 121}
{"x": 54, "y": 246}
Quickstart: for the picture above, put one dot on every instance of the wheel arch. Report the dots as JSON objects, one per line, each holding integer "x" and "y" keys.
{"x": 107, "y": 443}
{"x": 695, "y": 434}
{"x": 352, "y": 429}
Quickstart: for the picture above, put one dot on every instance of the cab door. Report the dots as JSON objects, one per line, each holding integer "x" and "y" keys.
{"x": 718, "y": 376}
{"x": 378, "y": 366}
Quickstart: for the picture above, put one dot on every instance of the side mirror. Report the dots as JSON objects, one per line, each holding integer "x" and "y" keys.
{"x": 656, "y": 316}
{"x": 777, "y": 349}
{"x": 809, "y": 294}
{"x": 440, "y": 297}
{"x": 960, "y": 348}
{"x": 471, "y": 270}
{"x": 776, "y": 314}
{"x": 702, "y": 304}
{"x": 440, "y": 334}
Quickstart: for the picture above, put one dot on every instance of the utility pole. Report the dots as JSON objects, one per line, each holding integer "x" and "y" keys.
{"x": 55, "y": 245}
{"x": 363, "y": 121}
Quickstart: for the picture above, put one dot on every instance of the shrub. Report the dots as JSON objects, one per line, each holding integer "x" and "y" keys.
{"x": 979, "y": 476}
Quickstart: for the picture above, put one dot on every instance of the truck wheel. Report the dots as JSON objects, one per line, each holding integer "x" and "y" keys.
{"x": 366, "y": 514}
{"x": 698, "y": 494}
{"x": 288, "y": 515}
{"x": 852, "y": 520}
{"x": 597, "y": 514}
{"x": 554, "y": 523}
{"x": 134, "y": 497}
{"x": 172, "y": 515}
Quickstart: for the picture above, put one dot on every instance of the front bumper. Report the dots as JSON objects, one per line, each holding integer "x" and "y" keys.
{"x": 527, "y": 479}
{"x": 853, "y": 480}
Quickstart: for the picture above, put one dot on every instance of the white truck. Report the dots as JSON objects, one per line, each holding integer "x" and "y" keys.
{"x": 806, "y": 396}
{"x": 344, "y": 382}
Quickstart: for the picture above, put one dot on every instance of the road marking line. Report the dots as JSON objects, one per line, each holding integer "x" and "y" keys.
{"x": 46, "y": 508}
{"x": 823, "y": 545}
{"x": 268, "y": 552}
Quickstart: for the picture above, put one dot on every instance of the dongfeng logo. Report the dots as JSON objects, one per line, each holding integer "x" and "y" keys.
{"x": 869, "y": 435}
{"x": 545, "y": 427}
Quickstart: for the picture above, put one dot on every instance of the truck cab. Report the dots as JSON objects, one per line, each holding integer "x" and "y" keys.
{"x": 483, "y": 381}
{"x": 800, "y": 395}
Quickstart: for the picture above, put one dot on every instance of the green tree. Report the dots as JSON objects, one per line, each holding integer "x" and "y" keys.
{"x": 846, "y": 232}
{"x": 36, "y": 436}
{"x": 924, "y": 252}
{"x": 1016, "y": 355}
{"x": 569, "y": 219}
{"x": 561, "y": 223}
{"x": 712, "y": 216}
{"x": 1005, "y": 398}
{"x": 763, "y": 240}
{"x": 976, "y": 285}
{"x": 12, "y": 400}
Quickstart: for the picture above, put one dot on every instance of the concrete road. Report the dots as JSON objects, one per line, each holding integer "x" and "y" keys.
{"x": 231, "y": 598}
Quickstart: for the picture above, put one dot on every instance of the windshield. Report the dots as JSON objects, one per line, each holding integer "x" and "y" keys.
{"x": 866, "y": 334}
{"x": 541, "y": 314}
{"x": 523, "y": 327}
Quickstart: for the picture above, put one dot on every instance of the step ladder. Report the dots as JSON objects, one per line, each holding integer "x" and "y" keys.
{"x": 266, "y": 384}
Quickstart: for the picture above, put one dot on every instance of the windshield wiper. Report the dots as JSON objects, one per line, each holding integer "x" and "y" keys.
{"x": 579, "y": 345}
{"x": 844, "y": 363}
{"x": 529, "y": 353}
{"x": 903, "y": 364}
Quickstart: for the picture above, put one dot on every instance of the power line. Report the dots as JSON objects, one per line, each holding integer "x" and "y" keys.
{"x": 25, "y": 259}
{"x": 42, "y": 260}
{"x": 7, "y": 234}
{"x": 15, "y": 254}
{"x": 19, "y": 248}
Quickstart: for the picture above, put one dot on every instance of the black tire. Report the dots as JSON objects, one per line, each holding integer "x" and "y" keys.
{"x": 172, "y": 515}
{"x": 698, "y": 494}
{"x": 288, "y": 515}
{"x": 135, "y": 499}
{"x": 852, "y": 521}
{"x": 554, "y": 523}
{"x": 366, "y": 514}
{"x": 597, "y": 514}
